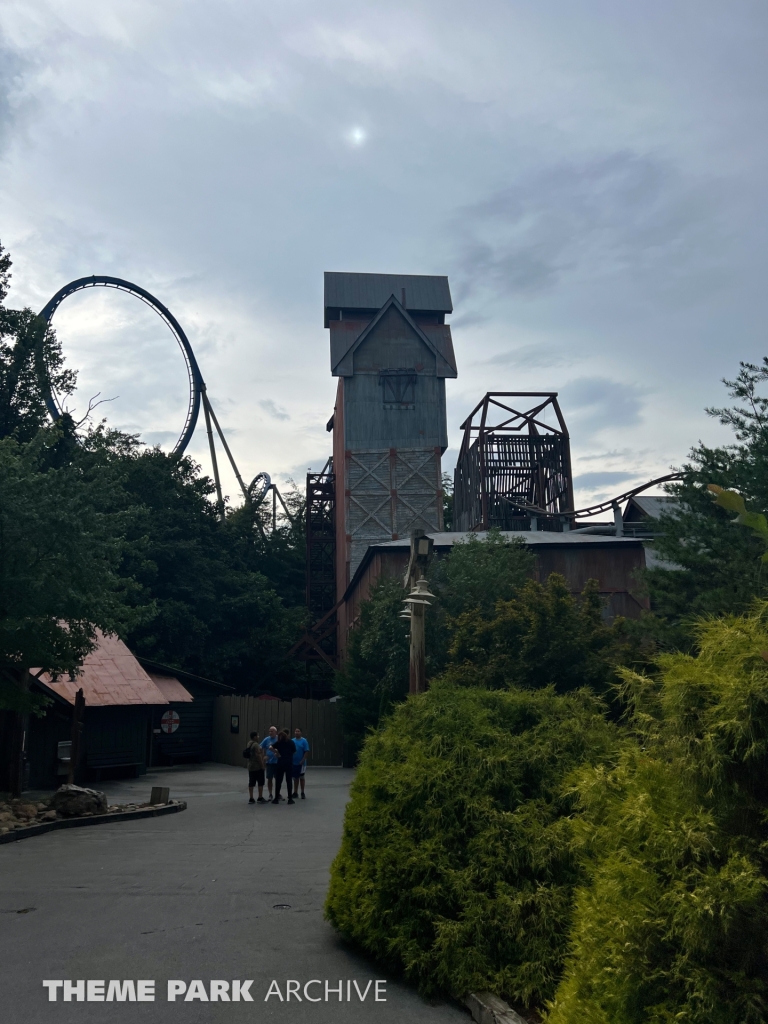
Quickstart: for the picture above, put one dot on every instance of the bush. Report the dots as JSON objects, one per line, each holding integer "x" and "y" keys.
{"x": 674, "y": 925}
{"x": 457, "y": 863}
{"x": 542, "y": 637}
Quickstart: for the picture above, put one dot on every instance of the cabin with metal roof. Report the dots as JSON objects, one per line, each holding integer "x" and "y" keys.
{"x": 135, "y": 716}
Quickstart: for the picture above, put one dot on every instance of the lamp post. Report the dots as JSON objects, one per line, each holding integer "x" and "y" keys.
{"x": 415, "y": 606}
{"x": 418, "y": 602}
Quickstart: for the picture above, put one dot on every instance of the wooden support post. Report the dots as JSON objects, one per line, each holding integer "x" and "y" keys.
{"x": 77, "y": 730}
{"x": 16, "y": 760}
{"x": 421, "y": 551}
{"x": 417, "y": 680}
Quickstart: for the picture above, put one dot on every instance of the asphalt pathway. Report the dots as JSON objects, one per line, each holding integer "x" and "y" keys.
{"x": 222, "y": 891}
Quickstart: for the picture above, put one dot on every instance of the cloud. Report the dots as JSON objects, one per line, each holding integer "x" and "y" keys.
{"x": 593, "y": 404}
{"x": 530, "y": 357}
{"x": 273, "y": 410}
{"x": 613, "y": 214}
{"x": 591, "y": 481}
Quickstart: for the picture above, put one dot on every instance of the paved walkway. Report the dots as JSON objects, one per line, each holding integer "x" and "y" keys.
{"x": 190, "y": 896}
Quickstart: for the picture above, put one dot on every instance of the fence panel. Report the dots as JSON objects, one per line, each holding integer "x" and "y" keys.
{"x": 318, "y": 721}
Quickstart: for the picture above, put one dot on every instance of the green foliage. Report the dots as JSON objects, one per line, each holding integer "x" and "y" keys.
{"x": 754, "y": 521}
{"x": 674, "y": 923}
{"x": 714, "y": 568}
{"x": 542, "y": 637}
{"x": 478, "y": 573}
{"x": 456, "y": 863}
{"x": 29, "y": 353}
{"x": 59, "y": 560}
{"x": 211, "y": 610}
{"x": 375, "y": 674}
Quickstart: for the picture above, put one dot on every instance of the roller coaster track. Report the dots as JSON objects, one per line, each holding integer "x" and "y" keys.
{"x": 595, "y": 510}
{"x": 257, "y": 490}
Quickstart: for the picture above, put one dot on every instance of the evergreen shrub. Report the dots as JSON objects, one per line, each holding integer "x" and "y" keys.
{"x": 457, "y": 863}
{"x": 673, "y": 925}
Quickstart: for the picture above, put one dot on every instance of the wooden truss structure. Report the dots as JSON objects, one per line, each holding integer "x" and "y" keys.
{"x": 514, "y": 465}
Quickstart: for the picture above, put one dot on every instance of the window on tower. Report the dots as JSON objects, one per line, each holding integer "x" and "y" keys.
{"x": 398, "y": 388}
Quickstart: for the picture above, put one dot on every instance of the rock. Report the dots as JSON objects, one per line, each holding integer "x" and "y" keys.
{"x": 48, "y": 816}
{"x": 72, "y": 801}
{"x": 26, "y": 811}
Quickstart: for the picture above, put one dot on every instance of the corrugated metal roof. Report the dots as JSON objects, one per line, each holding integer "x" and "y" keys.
{"x": 170, "y": 688}
{"x": 371, "y": 291}
{"x": 110, "y": 675}
{"x": 651, "y": 505}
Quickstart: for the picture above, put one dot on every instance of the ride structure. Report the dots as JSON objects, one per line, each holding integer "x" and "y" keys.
{"x": 253, "y": 493}
{"x": 514, "y": 470}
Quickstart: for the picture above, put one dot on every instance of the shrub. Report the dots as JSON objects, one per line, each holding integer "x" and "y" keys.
{"x": 674, "y": 925}
{"x": 456, "y": 863}
{"x": 541, "y": 637}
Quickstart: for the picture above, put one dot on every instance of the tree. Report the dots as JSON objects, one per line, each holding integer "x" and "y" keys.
{"x": 211, "y": 610}
{"x": 541, "y": 637}
{"x": 29, "y": 353}
{"x": 374, "y": 678}
{"x": 59, "y": 579}
{"x": 714, "y": 567}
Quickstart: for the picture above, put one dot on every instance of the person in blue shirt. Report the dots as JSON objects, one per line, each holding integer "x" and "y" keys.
{"x": 299, "y": 762}
{"x": 267, "y": 744}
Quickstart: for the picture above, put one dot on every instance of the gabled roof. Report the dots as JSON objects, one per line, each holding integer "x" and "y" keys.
{"x": 650, "y": 506}
{"x": 109, "y": 675}
{"x": 171, "y": 688}
{"x": 154, "y": 667}
{"x": 344, "y": 343}
{"x": 370, "y": 291}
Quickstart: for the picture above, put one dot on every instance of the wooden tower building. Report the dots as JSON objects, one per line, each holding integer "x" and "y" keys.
{"x": 391, "y": 350}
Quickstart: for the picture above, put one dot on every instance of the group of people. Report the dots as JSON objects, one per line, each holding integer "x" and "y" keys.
{"x": 275, "y": 758}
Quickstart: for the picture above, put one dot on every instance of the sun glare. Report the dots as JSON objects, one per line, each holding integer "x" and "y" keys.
{"x": 357, "y": 136}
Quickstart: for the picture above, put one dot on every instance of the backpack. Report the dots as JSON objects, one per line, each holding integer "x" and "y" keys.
{"x": 247, "y": 752}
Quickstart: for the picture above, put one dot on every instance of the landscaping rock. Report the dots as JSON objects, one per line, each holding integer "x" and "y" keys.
{"x": 72, "y": 801}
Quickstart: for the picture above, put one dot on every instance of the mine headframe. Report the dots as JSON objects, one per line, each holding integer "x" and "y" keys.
{"x": 514, "y": 466}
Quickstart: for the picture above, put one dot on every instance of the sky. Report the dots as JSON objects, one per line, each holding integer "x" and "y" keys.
{"x": 591, "y": 176}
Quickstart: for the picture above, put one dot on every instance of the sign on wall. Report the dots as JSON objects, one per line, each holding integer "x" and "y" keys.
{"x": 170, "y": 721}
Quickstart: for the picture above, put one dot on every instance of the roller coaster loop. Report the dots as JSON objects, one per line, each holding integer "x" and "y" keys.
{"x": 261, "y": 484}
{"x": 196, "y": 384}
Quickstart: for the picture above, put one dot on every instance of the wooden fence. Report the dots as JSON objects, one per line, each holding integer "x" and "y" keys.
{"x": 317, "y": 719}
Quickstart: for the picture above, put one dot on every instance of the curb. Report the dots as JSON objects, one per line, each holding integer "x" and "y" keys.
{"x": 486, "y": 1008}
{"x": 96, "y": 819}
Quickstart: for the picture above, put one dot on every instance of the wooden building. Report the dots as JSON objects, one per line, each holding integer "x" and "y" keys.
{"x": 135, "y": 716}
{"x": 392, "y": 352}
{"x": 613, "y": 561}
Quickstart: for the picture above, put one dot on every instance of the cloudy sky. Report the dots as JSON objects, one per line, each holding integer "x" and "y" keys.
{"x": 591, "y": 176}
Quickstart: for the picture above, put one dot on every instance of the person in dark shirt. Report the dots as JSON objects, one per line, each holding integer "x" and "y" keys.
{"x": 285, "y": 750}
